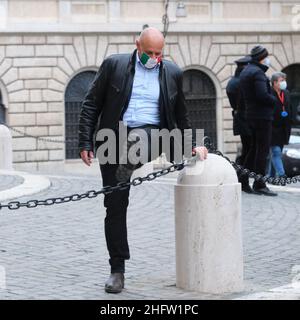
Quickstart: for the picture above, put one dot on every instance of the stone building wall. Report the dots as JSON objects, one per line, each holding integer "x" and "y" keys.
{"x": 40, "y": 53}
{"x": 36, "y": 69}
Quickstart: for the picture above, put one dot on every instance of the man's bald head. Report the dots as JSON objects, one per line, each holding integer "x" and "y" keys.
{"x": 151, "y": 35}
{"x": 151, "y": 41}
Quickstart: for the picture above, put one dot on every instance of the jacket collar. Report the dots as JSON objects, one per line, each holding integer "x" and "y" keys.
{"x": 275, "y": 92}
{"x": 132, "y": 60}
{"x": 261, "y": 66}
{"x": 133, "y": 57}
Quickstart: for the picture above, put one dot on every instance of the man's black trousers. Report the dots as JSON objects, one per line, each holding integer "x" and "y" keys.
{"x": 257, "y": 157}
{"x": 116, "y": 204}
{"x": 115, "y": 222}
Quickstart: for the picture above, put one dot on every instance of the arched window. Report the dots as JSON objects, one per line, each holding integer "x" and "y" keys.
{"x": 293, "y": 81}
{"x": 75, "y": 93}
{"x": 200, "y": 95}
{"x": 2, "y": 111}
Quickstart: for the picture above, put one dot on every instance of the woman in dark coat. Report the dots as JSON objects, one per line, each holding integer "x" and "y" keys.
{"x": 281, "y": 127}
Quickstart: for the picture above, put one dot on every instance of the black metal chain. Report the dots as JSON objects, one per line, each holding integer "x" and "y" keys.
{"x": 23, "y": 134}
{"x": 13, "y": 205}
{"x": 246, "y": 172}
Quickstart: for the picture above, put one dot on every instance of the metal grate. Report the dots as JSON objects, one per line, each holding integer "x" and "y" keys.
{"x": 200, "y": 95}
{"x": 74, "y": 97}
{"x": 2, "y": 110}
{"x": 2, "y": 113}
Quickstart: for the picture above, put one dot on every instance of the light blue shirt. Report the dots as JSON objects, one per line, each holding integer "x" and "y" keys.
{"x": 143, "y": 107}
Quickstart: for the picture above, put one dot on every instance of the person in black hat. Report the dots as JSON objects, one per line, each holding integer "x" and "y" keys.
{"x": 259, "y": 102}
{"x": 240, "y": 125}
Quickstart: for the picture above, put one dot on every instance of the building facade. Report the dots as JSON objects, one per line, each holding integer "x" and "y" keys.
{"x": 51, "y": 49}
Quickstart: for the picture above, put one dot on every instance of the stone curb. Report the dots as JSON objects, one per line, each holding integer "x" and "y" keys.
{"x": 32, "y": 184}
{"x": 287, "y": 292}
{"x": 284, "y": 189}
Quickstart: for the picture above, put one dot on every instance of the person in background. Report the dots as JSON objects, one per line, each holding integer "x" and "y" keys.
{"x": 240, "y": 125}
{"x": 281, "y": 126}
{"x": 259, "y": 102}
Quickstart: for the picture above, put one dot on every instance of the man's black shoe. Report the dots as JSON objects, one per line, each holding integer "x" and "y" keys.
{"x": 265, "y": 191}
{"x": 115, "y": 283}
{"x": 248, "y": 189}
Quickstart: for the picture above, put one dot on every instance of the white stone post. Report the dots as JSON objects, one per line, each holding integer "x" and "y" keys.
{"x": 209, "y": 253}
{"x": 5, "y": 148}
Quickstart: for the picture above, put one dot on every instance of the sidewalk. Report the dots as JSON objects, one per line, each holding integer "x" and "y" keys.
{"x": 16, "y": 184}
{"x": 287, "y": 292}
{"x": 59, "y": 252}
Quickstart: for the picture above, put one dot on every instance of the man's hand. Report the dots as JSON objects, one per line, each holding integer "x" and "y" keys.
{"x": 87, "y": 157}
{"x": 201, "y": 151}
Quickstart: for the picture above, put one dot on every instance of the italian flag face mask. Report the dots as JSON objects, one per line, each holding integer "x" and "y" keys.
{"x": 149, "y": 62}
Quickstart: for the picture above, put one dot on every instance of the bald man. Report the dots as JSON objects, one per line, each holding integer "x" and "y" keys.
{"x": 143, "y": 91}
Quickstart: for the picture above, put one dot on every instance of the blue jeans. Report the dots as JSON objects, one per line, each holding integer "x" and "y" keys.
{"x": 275, "y": 165}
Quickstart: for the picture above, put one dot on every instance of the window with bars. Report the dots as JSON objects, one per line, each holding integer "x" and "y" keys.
{"x": 200, "y": 95}
{"x": 75, "y": 93}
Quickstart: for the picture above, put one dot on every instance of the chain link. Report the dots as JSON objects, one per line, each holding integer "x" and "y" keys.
{"x": 243, "y": 171}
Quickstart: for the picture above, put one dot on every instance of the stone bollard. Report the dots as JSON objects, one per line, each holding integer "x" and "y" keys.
{"x": 209, "y": 253}
{"x": 5, "y": 148}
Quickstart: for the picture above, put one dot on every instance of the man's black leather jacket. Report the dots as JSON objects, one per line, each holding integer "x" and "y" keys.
{"x": 110, "y": 92}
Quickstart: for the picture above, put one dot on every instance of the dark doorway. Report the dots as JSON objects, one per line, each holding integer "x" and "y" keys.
{"x": 2, "y": 111}
{"x": 75, "y": 93}
{"x": 200, "y": 94}
{"x": 293, "y": 81}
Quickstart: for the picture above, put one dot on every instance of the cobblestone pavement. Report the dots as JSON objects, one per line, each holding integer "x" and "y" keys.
{"x": 59, "y": 252}
{"x": 9, "y": 181}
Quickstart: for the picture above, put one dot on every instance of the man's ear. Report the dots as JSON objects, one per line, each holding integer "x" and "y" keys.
{"x": 138, "y": 45}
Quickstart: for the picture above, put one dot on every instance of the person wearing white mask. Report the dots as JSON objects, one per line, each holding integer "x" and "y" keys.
{"x": 281, "y": 125}
{"x": 259, "y": 101}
